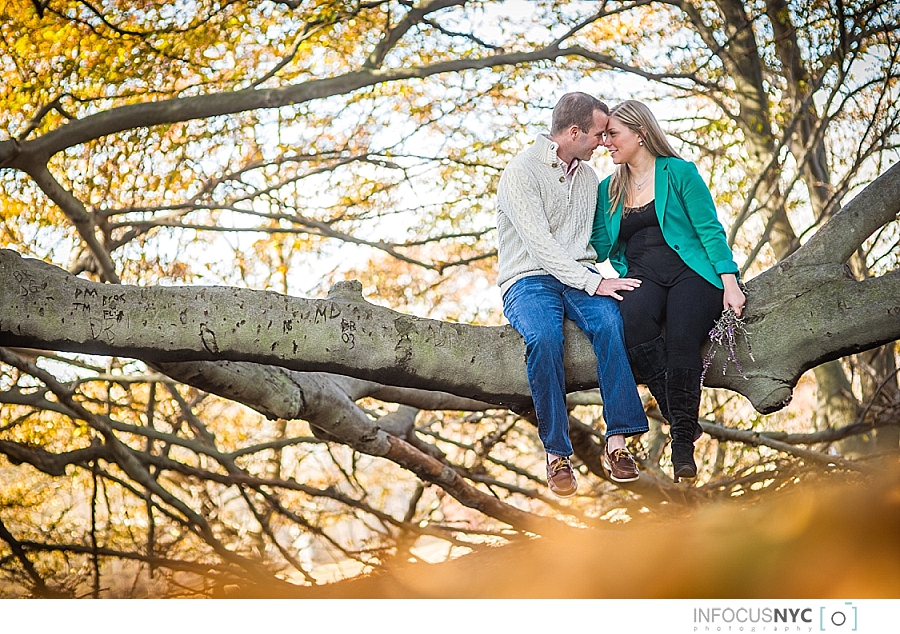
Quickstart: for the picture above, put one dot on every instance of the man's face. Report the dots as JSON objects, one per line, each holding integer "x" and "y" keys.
{"x": 584, "y": 142}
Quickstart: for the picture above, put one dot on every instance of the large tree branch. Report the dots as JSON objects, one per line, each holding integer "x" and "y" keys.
{"x": 801, "y": 313}
{"x": 843, "y": 234}
{"x": 29, "y": 153}
{"x": 801, "y": 318}
{"x": 216, "y": 323}
{"x": 347, "y": 335}
{"x": 808, "y": 309}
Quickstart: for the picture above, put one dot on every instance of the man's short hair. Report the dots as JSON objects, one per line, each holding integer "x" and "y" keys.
{"x": 576, "y": 108}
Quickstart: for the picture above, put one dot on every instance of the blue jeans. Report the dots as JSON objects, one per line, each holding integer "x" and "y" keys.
{"x": 536, "y": 306}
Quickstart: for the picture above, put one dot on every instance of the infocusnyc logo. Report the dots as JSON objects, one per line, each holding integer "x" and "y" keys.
{"x": 832, "y": 617}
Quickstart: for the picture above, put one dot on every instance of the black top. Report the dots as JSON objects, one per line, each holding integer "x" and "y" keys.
{"x": 649, "y": 256}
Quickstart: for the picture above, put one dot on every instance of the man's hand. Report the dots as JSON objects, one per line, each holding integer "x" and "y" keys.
{"x": 611, "y": 285}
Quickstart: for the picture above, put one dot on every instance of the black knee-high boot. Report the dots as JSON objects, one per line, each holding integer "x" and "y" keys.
{"x": 683, "y": 396}
{"x": 648, "y": 363}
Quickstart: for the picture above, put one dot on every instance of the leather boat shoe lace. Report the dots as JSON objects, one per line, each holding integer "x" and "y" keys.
{"x": 561, "y": 477}
{"x": 620, "y": 465}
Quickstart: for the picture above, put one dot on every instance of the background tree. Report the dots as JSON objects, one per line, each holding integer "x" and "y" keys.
{"x": 292, "y": 145}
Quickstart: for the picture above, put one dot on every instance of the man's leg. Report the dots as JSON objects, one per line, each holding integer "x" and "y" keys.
{"x": 599, "y": 318}
{"x": 534, "y": 307}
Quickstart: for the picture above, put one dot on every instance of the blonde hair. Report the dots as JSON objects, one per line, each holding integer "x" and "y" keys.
{"x": 637, "y": 117}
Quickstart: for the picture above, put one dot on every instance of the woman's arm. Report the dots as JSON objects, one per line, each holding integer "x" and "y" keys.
{"x": 701, "y": 213}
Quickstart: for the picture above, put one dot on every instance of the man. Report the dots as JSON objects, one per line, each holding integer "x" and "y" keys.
{"x": 546, "y": 202}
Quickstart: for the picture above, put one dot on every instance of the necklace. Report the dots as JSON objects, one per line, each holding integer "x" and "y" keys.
{"x": 644, "y": 182}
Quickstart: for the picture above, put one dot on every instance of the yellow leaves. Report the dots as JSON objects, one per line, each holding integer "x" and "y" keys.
{"x": 41, "y": 428}
{"x": 21, "y": 488}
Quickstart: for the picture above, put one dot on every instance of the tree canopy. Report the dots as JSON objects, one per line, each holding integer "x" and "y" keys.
{"x": 249, "y": 331}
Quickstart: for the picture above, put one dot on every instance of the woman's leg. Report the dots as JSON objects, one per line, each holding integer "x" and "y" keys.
{"x": 643, "y": 313}
{"x": 694, "y": 305}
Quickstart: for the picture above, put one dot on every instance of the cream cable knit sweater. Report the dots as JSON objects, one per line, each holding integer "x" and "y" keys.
{"x": 544, "y": 222}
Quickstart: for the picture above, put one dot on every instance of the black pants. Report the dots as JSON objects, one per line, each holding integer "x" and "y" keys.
{"x": 687, "y": 311}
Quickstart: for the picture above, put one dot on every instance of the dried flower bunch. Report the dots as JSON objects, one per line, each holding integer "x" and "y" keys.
{"x": 724, "y": 334}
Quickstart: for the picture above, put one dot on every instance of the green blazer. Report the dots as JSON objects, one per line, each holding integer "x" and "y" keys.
{"x": 687, "y": 216}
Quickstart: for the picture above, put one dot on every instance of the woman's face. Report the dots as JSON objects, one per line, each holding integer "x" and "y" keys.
{"x": 622, "y": 143}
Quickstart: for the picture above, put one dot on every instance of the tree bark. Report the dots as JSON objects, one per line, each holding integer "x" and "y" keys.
{"x": 804, "y": 311}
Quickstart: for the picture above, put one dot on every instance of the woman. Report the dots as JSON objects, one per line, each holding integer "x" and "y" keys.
{"x": 656, "y": 222}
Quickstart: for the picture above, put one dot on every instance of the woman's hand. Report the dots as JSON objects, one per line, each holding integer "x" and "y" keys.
{"x": 733, "y": 297}
{"x": 610, "y": 285}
